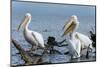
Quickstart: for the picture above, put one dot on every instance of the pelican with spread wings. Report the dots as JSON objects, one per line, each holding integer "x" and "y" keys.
{"x": 32, "y": 37}
{"x": 77, "y": 40}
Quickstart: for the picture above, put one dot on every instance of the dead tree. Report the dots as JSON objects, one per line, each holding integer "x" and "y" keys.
{"x": 29, "y": 60}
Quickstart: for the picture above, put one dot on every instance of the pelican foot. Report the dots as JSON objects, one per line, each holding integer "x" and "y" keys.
{"x": 31, "y": 51}
{"x": 75, "y": 57}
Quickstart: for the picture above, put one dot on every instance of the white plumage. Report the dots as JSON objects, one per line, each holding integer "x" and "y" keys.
{"x": 77, "y": 40}
{"x": 85, "y": 40}
{"x": 32, "y": 37}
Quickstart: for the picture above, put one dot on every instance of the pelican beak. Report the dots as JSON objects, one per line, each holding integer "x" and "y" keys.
{"x": 24, "y": 22}
{"x": 69, "y": 27}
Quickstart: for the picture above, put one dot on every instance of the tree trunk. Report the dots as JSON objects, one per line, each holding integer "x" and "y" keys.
{"x": 24, "y": 54}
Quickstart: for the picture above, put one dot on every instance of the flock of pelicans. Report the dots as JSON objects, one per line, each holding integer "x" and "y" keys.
{"x": 77, "y": 40}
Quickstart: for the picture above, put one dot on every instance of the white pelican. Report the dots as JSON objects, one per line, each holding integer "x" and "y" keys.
{"x": 77, "y": 40}
{"x": 32, "y": 37}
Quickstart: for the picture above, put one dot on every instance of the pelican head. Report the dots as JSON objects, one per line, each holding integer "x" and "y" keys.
{"x": 25, "y": 22}
{"x": 74, "y": 17}
{"x": 70, "y": 26}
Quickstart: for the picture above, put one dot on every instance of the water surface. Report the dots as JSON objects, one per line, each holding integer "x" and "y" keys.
{"x": 48, "y": 19}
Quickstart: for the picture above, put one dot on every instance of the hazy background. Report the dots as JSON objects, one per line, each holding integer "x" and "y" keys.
{"x": 48, "y": 19}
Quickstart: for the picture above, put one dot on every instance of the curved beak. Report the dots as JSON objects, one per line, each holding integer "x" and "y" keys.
{"x": 24, "y": 23}
{"x": 69, "y": 27}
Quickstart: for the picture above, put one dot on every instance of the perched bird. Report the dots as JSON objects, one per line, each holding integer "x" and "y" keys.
{"x": 32, "y": 37}
{"x": 77, "y": 40}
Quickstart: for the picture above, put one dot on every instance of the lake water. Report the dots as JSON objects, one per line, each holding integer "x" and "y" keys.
{"x": 47, "y": 25}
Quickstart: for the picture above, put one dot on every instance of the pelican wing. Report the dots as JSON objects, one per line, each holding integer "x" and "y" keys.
{"x": 70, "y": 27}
{"x": 72, "y": 47}
{"x": 39, "y": 38}
{"x": 85, "y": 41}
